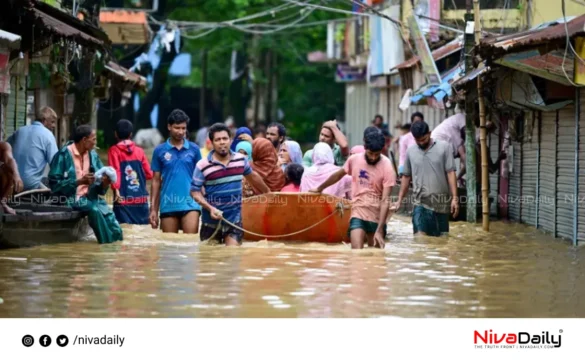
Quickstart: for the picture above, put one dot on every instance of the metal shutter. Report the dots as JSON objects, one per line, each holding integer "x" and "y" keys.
{"x": 494, "y": 178}
{"x": 360, "y": 109}
{"x": 530, "y": 169}
{"x": 581, "y": 210}
{"x": 565, "y": 185}
{"x": 547, "y": 190}
{"x": 515, "y": 192}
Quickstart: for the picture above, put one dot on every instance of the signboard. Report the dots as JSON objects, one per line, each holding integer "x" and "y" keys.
{"x": 429, "y": 67}
{"x": 4, "y": 71}
{"x": 345, "y": 73}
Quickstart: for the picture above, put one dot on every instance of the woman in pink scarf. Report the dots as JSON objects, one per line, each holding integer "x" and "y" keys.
{"x": 323, "y": 167}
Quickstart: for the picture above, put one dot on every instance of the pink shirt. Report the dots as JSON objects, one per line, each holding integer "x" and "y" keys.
{"x": 291, "y": 188}
{"x": 368, "y": 183}
{"x": 406, "y": 141}
{"x": 450, "y": 131}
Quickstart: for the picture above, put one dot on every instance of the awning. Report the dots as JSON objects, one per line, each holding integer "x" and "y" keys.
{"x": 481, "y": 68}
{"x": 543, "y": 34}
{"x": 548, "y": 66}
{"x": 66, "y": 26}
{"x": 438, "y": 54}
{"x": 125, "y": 75}
{"x": 440, "y": 91}
{"x": 9, "y": 40}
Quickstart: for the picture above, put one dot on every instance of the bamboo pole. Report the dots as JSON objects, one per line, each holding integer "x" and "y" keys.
{"x": 482, "y": 132}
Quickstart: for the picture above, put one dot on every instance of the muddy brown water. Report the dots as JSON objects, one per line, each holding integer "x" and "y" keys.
{"x": 513, "y": 271}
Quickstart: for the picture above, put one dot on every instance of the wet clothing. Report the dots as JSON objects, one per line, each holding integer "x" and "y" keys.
{"x": 33, "y": 148}
{"x": 429, "y": 170}
{"x": 368, "y": 183}
{"x": 429, "y": 222}
{"x": 63, "y": 183}
{"x": 369, "y": 227}
{"x": 225, "y": 230}
{"x": 133, "y": 171}
{"x": 223, "y": 185}
{"x": 176, "y": 214}
{"x": 176, "y": 167}
{"x": 338, "y": 157}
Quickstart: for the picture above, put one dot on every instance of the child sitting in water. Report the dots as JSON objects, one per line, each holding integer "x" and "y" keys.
{"x": 293, "y": 174}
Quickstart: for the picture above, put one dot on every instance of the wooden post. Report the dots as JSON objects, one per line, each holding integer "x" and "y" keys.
{"x": 482, "y": 132}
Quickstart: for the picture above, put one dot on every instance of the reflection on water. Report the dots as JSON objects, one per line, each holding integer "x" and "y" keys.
{"x": 514, "y": 271}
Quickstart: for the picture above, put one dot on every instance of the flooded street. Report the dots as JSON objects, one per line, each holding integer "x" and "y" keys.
{"x": 514, "y": 271}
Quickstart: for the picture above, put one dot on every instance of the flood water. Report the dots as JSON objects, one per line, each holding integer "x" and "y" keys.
{"x": 514, "y": 271}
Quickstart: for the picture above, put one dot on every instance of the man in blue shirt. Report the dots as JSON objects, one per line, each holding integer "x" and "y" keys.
{"x": 221, "y": 173}
{"x": 33, "y": 147}
{"x": 173, "y": 163}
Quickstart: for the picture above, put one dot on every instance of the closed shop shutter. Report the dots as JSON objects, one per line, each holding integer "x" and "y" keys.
{"x": 514, "y": 204}
{"x": 494, "y": 145}
{"x": 547, "y": 179}
{"x": 530, "y": 169}
{"x": 581, "y": 210}
{"x": 16, "y": 107}
{"x": 565, "y": 185}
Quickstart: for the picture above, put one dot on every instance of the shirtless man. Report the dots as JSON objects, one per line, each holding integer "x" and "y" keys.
{"x": 10, "y": 181}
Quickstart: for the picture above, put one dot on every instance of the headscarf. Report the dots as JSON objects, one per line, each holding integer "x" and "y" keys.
{"x": 246, "y": 146}
{"x": 323, "y": 167}
{"x": 265, "y": 164}
{"x": 357, "y": 149}
{"x": 295, "y": 153}
{"x": 239, "y": 132}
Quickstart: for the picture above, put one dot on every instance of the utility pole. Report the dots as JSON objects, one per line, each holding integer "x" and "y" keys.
{"x": 470, "y": 181}
{"x": 529, "y": 14}
{"x": 482, "y": 131}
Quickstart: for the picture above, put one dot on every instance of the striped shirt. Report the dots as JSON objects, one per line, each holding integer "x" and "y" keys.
{"x": 223, "y": 185}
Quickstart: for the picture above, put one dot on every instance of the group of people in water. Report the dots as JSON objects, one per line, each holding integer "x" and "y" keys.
{"x": 195, "y": 187}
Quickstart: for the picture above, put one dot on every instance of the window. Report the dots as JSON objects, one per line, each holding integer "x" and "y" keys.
{"x": 483, "y": 4}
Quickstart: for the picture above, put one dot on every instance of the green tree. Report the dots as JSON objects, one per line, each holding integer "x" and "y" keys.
{"x": 307, "y": 93}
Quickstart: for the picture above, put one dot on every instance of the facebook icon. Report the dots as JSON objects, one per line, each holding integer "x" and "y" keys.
{"x": 45, "y": 340}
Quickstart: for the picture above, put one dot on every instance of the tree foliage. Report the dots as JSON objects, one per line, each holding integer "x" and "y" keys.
{"x": 307, "y": 93}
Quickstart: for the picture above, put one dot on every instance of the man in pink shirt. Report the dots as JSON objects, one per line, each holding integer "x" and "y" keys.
{"x": 372, "y": 179}
{"x": 407, "y": 140}
{"x": 450, "y": 131}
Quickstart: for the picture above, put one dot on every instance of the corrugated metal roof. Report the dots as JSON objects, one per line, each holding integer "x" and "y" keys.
{"x": 126, "y": 74}
{"x": 63, "y": 24}
{"x": 9, "y": 40}
{"x": 438, "y": 54}
{"x": 123, "y": 17}
{"x": 471, "y": 76}
{"x": 534, "y": 36}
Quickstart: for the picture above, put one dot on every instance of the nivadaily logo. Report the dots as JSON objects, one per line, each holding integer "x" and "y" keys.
{"x": 516, "y": 340}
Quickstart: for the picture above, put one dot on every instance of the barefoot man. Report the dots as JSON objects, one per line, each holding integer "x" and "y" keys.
{"x": 372, "y": 179}
{"x": 10, "y": 180}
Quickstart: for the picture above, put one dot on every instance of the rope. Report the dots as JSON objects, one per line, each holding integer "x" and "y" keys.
{"x": 31, "y": 192}
{"x": 338, "y": 209}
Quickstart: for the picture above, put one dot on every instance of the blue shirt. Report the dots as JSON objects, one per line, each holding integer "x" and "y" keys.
{"x": 176, "y": 168}
{"x": 33, "y": 147}
{"x": 223, "y": 185}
